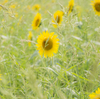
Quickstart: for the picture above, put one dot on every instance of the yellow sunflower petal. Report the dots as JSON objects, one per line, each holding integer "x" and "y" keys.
{"x": 95, "y": 95}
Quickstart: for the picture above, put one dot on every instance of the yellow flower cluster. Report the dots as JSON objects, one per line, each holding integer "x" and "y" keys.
{"x": 47, "y": 42}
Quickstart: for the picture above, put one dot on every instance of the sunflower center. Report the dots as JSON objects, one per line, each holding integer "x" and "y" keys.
{"x": 97, "y": 7}
{"x": 47, "y": 44}
{"x": 36, "y": 8}
{"x": 58, "y": 19}
{"x": 37, "y": 22}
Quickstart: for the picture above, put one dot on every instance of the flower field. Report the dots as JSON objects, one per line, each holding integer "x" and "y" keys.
{"x": 49, "y": 49}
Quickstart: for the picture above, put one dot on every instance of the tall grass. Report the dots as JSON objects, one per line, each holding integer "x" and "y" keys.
{"x": 72, "y": 73}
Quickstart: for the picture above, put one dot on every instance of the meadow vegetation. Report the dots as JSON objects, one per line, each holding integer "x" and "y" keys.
{"x": 70, "y": 70}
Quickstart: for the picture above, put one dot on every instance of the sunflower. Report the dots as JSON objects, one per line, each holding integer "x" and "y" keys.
{"x": 96, "y": 6}
{"x": 36, "y": 7}
{"x": 57, "y": 19}
{"x": 37, "y": 21}
{"x": 95, "y": 95}
{"x": 47, "y": 44}
{"x": 30, "y": 38}
{"x": 70, "y": 6}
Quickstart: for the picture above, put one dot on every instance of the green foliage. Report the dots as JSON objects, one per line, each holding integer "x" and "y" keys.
{"x": 73, "y": 73}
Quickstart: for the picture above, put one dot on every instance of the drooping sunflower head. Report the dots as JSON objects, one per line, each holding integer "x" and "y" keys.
{"x": 36, "y": 7}
{"x": 30, "y": 38}
{"x": 96, "y": 6}
{"x": 95, "y": 95}
{"x": 57, "y": 18}
{"x": 70, "y": 6}
{"x": 47, "y": 44}
{"x": 37, "y": 21}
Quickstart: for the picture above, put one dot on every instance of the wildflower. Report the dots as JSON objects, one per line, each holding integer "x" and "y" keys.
{"x": 37, "y": 21}
{"x": 47, "y": 44}
{"x": 70, "y": 6}
{"x": 95, "y": 95}
{"x": 13, "y": 6}
{"x": 57, "y": 19}
{"x": 96, "y": 6}
{"x": 30, "y": 38}
{"x": 36, "y": 7}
